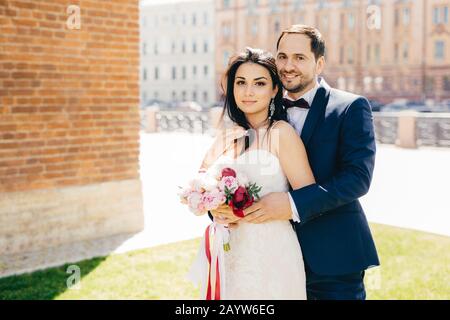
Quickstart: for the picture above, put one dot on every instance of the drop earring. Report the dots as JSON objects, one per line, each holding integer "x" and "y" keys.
{"x": 271, "y": 109}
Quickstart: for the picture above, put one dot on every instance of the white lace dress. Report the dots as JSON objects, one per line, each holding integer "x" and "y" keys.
{"x": 265, "y": 260}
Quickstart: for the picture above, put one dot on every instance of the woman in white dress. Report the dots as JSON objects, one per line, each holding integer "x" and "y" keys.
{"x": 265, "y": 260}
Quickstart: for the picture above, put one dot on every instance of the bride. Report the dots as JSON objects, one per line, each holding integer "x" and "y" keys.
{"x": 265, "y": 260}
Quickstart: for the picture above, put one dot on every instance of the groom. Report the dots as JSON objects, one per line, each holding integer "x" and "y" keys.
{"x": 337, "y": 131}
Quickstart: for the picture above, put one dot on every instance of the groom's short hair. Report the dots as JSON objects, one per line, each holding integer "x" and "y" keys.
{"x": 317, "y": 41}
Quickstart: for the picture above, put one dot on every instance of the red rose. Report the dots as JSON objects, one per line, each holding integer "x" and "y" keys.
{"x": 226, "y": 172}
{"x": 241, "y": 200}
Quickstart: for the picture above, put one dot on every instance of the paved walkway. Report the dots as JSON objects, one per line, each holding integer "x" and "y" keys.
{"x": 409, "y": 189}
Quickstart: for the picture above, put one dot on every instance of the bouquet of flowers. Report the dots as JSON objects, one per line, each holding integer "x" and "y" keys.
{"x": 208, "y": 192}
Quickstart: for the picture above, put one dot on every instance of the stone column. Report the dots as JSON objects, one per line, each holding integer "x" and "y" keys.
{"x": 151, "y": 119}
{"x": 406, "y": 131}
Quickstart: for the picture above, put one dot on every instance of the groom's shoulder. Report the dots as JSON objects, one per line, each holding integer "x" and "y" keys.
{"x": 344, "y": 99}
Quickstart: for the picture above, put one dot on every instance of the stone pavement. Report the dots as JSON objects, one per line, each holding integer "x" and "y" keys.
{"x": 409, "y": 190}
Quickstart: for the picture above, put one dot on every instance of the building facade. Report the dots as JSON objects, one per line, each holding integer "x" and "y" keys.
{"x": 177, "y": 52}
{"x": 384, "y": 49}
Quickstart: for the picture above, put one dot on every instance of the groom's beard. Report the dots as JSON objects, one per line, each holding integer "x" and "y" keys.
{"x": 300, "y": 87}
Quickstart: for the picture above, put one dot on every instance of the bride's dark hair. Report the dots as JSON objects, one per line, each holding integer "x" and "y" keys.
{"x": 266, "y": 60}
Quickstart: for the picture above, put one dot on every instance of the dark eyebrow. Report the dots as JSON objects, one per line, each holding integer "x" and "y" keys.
{"x": 253, "y": 79}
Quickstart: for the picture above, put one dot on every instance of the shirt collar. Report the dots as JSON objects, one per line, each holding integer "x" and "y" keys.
{"x": 308, "y": 96}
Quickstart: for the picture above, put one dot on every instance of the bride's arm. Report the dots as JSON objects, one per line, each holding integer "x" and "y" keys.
{"x": 224, "y": 139}
{"x": 212, "y": 152}
{"x": 292, "y": 154}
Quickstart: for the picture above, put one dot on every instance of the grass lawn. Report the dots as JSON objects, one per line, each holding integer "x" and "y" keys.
{"x": 415, "y": 265}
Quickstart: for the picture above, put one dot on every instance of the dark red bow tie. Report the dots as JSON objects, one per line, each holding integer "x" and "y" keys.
{"x": 300, "y": 103}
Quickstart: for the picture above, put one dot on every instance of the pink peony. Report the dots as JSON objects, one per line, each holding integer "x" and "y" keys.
{"x": 230, "y": 182}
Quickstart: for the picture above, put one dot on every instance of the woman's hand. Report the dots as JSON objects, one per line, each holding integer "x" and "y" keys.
{"x": 224, "y": 215}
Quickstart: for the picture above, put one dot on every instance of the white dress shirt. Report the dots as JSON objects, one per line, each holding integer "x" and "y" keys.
{"x": 297, "y": 117}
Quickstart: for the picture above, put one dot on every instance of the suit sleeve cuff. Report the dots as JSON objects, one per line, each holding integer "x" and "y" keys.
{"x": 295, "y": 215}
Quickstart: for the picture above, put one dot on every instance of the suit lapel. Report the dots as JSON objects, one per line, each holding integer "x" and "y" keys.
{"x": 316, "y": 112}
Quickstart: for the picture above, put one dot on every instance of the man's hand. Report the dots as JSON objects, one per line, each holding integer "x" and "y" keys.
{"x": 273, "y": 206}
{"x": 224, "y": 215}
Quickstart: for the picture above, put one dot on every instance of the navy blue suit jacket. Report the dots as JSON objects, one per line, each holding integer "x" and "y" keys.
{"x": 339, "y": 139}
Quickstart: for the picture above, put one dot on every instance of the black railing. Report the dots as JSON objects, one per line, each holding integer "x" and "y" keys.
{"x": 386, "y": 126}
{"x": 431, "y": 129}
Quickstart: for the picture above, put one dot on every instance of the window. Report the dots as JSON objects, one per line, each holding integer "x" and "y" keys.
{"x": 194, "y": 47}
{"x": 183, "y": 73}
{"x": 194, "y": 71}
{"x": 367, "y": 84}
{"x": 155, "y": 49}
{"x": 274, "y": 5}
{"x": 205, "y": 18}
{"x": 205, "y": 47}
{"x": 350, "y": 55}
{"x": 174, "y": 73}
{"x": 436, "y": 19}
{"x": 341, "y": 55}
{"x": 173, "y": 47}
{"x": 405, "y": 51}
{"x": 439, "y": 48}
{"x": 226, "y": 57}
{"x": 396, "y": 14}
{"x": 144, "y": 76}
{"x": 351, "y": 21}
{"x": 156, "y": 73}
{"x": 342, "y": 21}
{"x": 254, "y": 29}
{"x": 445, "y": 13}
{"x": 205, "y": 70}
{"x": 205, "y": 96}
{"x": 194, "y": 95}
{"x": 429, "y": 85}
{"x": 226, "y": 4}
{"x": 406, "y": 16}
{"x": 396, "y": 52}
{"x": 194, "y": 20}
{"x": 174, "y": 95}
{"x": 277, "y": 27}
{"x": 183, "y": 47}
{"x": 377, "y": 53}
{"x": 226, "y": 30}
{"x": 447, "y": 83}
{"x": 378, "y": 83}
{"x": 183, "y": 95}
{"x": 144, "y": 49}
{"x": 144, "y": 97}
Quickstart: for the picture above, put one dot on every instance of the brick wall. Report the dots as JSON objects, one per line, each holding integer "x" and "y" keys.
{"x": 69, "y": 124}
{"x": 69, "y": 97}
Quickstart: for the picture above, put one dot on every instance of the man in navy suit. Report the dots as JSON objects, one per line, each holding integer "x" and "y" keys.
{"x": 337, "y": 130}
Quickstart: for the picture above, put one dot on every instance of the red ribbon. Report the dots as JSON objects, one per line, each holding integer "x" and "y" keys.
{"x": 208, "y": 255}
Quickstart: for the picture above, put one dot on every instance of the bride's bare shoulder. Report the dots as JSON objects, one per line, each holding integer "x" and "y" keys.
{"x": 283, "y": 135}
{"x": 282, "y": 124}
